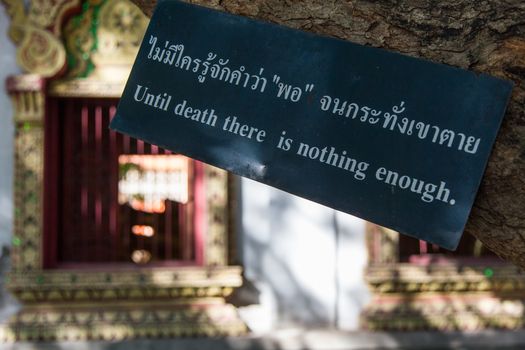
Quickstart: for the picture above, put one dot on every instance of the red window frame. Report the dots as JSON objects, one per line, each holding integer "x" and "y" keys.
{"x": 55, "y": 143}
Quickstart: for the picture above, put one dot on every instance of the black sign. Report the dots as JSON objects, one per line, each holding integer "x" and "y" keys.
{"x": 398, "y": 141}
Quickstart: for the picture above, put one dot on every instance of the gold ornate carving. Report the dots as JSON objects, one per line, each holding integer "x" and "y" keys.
{"x": 28, "y": 102}
{"x": 40, "y": 52}
{"x": 104, "y": 39}
{"x": 118, "y": 321}
{"x": 101, "y": 44}
{"x": 16, "y": 10}
{"x": 446, "y": 296}
{"x": 28, "y": 184}
{"x": 36, "y": 33}
{"x": 156, "y": 284}
{"x": 217, "y": 216}
{"x": 451, "y": 297}
{"x": 122, "y": 26}
{"x": 94, "y": 305}
{"x": 408, "y": 278}
{"x": 50, "y": 13}
{"x": 468, "y": 312}
{"x": 80, "y": 40}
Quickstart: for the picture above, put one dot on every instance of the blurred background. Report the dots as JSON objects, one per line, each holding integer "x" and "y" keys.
{"x": 110, "y": 242}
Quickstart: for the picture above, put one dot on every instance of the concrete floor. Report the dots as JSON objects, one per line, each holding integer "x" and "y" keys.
{"x": 308, "y": 340}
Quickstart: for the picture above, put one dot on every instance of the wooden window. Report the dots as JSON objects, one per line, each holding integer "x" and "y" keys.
{"x": 109, "y": 198}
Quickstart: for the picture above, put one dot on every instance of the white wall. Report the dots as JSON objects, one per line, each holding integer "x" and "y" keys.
{"x": 8, "y": 305}
{"x": 7, "y": 67}
{"x": 305, "y": 260}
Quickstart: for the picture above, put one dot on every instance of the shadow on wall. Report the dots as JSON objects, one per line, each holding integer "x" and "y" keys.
{"x": 269, "y": 262}
{"x": 293, "y": 262}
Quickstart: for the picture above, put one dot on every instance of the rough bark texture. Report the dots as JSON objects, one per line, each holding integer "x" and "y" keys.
{"x": 483, "y": 36}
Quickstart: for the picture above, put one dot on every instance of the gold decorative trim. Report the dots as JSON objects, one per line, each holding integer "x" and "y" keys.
{"x": 29, "y": 166}
{"x": 159, "y": 283}
{"x": 116, "y": 321}
{"x": 102, "y": 41}
{"x": 408, "y": 278}
{"x": 50, "y": 14}
{"x": 216, "y": 248}
{"x": 448, "y": 297}
{"x": 465, "y": 312}
{"x": 87, "y": 88}
{"x": 24, "y": 83}
{"x": 27, "y": 95}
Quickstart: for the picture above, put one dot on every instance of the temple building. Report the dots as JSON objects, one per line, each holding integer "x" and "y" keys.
{"x": 112, "y": 238}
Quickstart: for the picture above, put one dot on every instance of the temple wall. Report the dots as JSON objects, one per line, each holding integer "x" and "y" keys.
{"x": 305, "y": 261}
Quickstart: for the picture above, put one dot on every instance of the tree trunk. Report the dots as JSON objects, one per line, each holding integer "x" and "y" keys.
{"x": 483, "y": 36}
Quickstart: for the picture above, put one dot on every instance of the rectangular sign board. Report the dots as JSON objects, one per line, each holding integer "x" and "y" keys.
{"x": 395, "y": 140}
